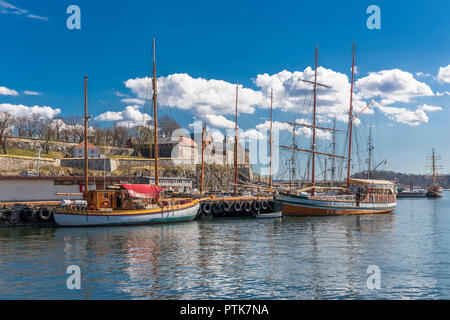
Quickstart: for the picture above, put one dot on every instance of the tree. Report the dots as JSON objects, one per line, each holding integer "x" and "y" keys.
{"x": 46, "y": 133}
{"x": 6, "y": 128}
{"x": 167, "y": 125}
{"x": 32, "y": 123}
{"x": 21, "y": 126}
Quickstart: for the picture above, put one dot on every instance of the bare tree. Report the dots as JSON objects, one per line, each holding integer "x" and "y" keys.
{"x": 33, "y": 122}
{"x": 21, "y": 126}
{"x": 6, "y": 128}
{"x": 167, "y": 125}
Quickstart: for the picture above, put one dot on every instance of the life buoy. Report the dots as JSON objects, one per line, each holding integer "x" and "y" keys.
{"x": 91, "y": 208}
{"x": 106, "y": 203}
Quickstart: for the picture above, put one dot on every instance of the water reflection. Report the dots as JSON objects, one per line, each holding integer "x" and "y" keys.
{"x": 293, "y": 258}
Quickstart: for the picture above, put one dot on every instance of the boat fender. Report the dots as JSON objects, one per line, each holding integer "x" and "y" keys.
{"x": 264, "y": 205}
{"x": 256, "y": 205}
{"x": 247, "y": 207}
{"x": 237, "y": 206}
{"x": 227, "y": 206}
{"x": 207, "y": 208}
{"x": 44, "y": 214}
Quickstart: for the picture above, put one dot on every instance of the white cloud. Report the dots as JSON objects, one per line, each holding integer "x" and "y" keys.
{"x": 32, "y": 93}
{"x": 219, "y": 122}
{"x": 201, "y": 96}
{"x": 406, "y": 116}
{"x": 130, "y": 116}
{"x": 422, "y": 74}
{"x": 444, "y": 74}
{"x": 299, "y": 130}
{"x": 392, "y": 85}
{"x": 293, "y": 94}
{"x": 21, "y": 110}
{"x": 134, "y": 101}
{"x": 251, "y": 134}
{"x": 8, "y": 92}
{"x": 7, "y": 8}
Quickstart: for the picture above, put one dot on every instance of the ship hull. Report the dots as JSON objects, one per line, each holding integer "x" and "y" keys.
{"x": 293, "y": 205}
{"x": 71, "y": 218}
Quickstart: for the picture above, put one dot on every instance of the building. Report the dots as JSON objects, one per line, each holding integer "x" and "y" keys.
{"x": 40, "y": 188}
{"x": 78, "y": 151}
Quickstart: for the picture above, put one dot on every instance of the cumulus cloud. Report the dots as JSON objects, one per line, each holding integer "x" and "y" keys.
{"x": 422, "y": 74}
{"x": 444, "y": 74}
{"x": 19, "y": 110}
{"x": 299, "y": 130}
{"x": 130, "y": 116}
{"x": 200, "y": 96}
{"x": 32, "y": 93}
{"x": 392, "y": 85}
{"x": 291, "y": 93}
{"x": 406, "y": 116}
{"x": 8, "y": 92}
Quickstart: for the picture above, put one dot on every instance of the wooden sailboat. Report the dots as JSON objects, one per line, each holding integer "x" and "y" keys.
{"x": 434, "y": 191}
{"x": 128, "y": 203}
{"x": 359, "y": 196}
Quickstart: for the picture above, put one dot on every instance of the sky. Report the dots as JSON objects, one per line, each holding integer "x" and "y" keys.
{"x": 204, "y": 47}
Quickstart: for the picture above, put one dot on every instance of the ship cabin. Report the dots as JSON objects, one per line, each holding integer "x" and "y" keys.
{"x": 124, "y": 197}
{"x": 373, "y": 191}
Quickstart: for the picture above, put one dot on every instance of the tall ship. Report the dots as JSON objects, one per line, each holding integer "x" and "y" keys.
{"x": 125, "y": 204}
{"x": 434, "y": 190}
{"x": 354, "y": 196}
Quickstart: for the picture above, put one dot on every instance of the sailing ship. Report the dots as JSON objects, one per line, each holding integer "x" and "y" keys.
{"x": 127, "y": 203}
{"x": 434, "y": 191}
{"x": 359, "y": 196}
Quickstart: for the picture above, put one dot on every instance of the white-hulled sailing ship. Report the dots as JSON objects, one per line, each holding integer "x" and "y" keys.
{"x": 357, "y": 196}
{"x": 128, "y": 203}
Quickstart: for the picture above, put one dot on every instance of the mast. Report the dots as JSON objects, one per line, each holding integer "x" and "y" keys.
{"x": 434, "y": 167}
{"x": 203, "y": 160}
{"x": 350, "y": 119}
{"x": 370, "y": 148}
{"x": 86, "y": 162}
{"x": 333, "y": 148}
{"x": 270, "y": 142}
{"x": 155, "y": 116}
{"x": 314, "y": 128}
{"x": 292, "y": 161}
{"x": 236, "y": 139}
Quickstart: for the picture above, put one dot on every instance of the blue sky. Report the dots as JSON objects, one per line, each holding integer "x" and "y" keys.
{"x": 237, "y": 41}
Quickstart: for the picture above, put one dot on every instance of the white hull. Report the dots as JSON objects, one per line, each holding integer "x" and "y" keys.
{"x": 79, "y": 220}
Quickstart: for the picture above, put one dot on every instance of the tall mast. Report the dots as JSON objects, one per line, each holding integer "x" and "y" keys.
{"x": 333, "y": 148}
{"x": 202, "y": 172}
{"x": 236, "y": 139}
{"x": 370, "y": 148}
{"x": 314, "y": 128}
{"x": 350, "y": 119}
{"x": 86, "y": 162}
{"x": 434, "y": 168}
{"x": 155, "y": 116}
{"x": 270, "y": 142}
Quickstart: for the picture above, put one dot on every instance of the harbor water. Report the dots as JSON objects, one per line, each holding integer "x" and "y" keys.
{"x": 238, "y": 258}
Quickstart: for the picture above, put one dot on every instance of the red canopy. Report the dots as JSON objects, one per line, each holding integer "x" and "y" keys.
{"x": 142, "y": 190}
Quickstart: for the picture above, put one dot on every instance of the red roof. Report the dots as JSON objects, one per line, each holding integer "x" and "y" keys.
{"x": 142, "y": 190}
{"x": 81, "y": 146}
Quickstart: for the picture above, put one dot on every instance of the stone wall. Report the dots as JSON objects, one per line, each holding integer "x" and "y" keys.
{"x": 13, "y": 163}
{"x": 101, "y": 164}
{"x": 60, "y": 146}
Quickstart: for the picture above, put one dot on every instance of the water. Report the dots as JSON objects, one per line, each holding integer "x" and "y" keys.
{"x": 293, "y": 258}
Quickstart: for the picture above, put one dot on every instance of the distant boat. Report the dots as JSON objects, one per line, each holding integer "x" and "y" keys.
{"x": 410, "y": 194}
{"x": 270, "y": 215}
{"x": 434, "y": 191}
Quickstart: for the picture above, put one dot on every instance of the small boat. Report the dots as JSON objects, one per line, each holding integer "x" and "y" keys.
{"x": 131, "y": 204}
{"x": 401, "y": 194}
{"x": 270, "y": 215}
